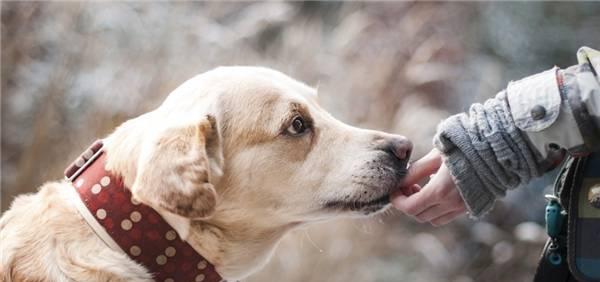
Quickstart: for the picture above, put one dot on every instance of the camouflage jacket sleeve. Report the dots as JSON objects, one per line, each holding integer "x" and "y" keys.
{"x": 560, "y": 108}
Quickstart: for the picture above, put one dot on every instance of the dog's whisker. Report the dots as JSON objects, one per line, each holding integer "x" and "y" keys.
{"x": 311, "y": 241}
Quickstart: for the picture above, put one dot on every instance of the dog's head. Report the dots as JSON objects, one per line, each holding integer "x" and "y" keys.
{"x": 253, "y": 144}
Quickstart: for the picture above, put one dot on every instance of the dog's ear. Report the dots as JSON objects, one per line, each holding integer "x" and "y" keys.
{"x": 176, "y": 168}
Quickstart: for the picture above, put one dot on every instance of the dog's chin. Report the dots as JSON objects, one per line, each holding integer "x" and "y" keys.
{"x": 362, "y": 207}
{"x": 373, "y": 204}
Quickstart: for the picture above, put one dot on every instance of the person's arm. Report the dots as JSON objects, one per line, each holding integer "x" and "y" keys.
{"x": 566, "y": 109}
{"x": 508, "y": 140}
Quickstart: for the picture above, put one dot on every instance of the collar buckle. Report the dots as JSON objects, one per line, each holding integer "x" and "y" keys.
{"x": 84, "y": 160}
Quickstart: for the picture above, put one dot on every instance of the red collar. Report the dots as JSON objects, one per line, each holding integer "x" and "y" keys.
{"x": 137, "y": 229}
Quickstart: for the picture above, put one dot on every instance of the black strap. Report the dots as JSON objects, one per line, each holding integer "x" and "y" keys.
{"x": 577, "y": 228}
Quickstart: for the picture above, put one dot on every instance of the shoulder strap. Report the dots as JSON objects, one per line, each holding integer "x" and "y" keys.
{"x": 584, "y": 222}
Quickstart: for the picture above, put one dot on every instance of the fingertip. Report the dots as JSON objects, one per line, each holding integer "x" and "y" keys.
{"x": 423, "y": 167}
{"x": 415, "y": 188}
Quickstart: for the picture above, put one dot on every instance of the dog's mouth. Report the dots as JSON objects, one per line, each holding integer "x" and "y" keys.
{"x": 366, "y": 207}
{"x": 372, "y": 196}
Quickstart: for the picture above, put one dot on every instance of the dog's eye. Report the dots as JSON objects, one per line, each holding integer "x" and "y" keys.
{"x": 297, "y": 127}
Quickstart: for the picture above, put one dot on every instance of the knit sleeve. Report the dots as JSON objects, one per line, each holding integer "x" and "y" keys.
{"x": 487, "y": 154}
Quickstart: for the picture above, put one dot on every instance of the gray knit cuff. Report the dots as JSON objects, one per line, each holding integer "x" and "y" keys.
{"x": 486, "y": 153}
{"x": 477, "y": 200}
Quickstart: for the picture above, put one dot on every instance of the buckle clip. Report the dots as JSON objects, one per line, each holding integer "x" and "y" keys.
{"x": 84, "y": 160}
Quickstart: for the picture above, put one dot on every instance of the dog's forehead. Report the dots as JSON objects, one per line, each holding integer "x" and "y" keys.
{"x": 269, "y": 81}
{"x": 241, "y": 80}
{"x": 254, "y": 103}
{"x": 241, "y": 91}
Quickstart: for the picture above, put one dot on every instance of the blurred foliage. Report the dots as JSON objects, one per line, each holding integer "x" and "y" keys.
{"x": 71, "y": 72}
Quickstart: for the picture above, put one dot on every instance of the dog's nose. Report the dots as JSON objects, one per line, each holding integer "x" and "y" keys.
{"x": 401, "y": 147}
{"x": 396, "y": 145}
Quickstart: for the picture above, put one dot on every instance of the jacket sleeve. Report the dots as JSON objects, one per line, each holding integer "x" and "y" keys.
{"x": 519, "y": 134}
{"x": 560, "y": 108}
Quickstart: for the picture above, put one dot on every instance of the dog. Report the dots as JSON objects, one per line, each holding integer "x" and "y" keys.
{"x": 233, "y": 159}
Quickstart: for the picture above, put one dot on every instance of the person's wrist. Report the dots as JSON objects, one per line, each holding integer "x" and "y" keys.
{"x": 477, "y": 198}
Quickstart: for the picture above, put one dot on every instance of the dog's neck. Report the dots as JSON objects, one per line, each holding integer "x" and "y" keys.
{"x": 238, "y": 245}
{"x": 235, "y": 244}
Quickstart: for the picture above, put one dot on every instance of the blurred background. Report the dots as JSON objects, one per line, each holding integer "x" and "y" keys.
{"x": 72, "y": 72}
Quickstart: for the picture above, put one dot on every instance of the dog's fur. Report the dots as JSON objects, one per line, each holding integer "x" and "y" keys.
{"x": 220, "y": 160}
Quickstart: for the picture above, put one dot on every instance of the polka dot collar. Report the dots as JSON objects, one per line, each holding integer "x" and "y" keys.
{"x": 132, "y": 227}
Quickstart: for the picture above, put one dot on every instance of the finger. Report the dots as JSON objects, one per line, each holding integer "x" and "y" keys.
{"x": 440, "y": 188}
{"x": 413, "y": 204}
{"x": 442, "y": 193}
{"x": 415, "y": 188}
{"x": 407, "y": 191}
{"x": 431, "y": 213}
{"x": 456, "y": 200}
{"x": 423, "y": 167}
{"x": 447, "y": 218}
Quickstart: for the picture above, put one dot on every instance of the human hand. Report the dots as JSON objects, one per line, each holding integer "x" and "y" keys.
{"x": 439, "y": 201}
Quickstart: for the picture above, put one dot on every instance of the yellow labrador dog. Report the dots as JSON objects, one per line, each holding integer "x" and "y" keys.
{"x": 233, "y": 159}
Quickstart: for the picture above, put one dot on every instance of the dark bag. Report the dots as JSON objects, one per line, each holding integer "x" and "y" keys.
{"x": 572, "y": 252}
